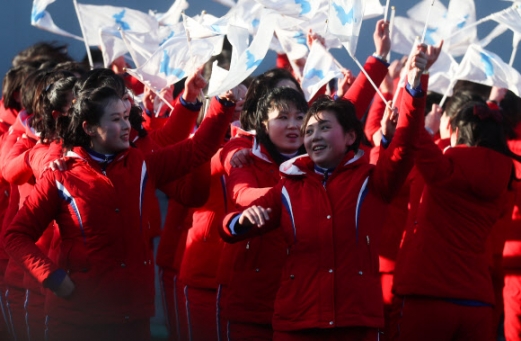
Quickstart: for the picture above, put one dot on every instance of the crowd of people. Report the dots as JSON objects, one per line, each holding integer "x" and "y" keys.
{"x": 346, "y": 217}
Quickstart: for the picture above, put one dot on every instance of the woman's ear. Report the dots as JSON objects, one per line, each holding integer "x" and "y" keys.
{"x": 88, "y": 129}
{"x": 349, "y": 138}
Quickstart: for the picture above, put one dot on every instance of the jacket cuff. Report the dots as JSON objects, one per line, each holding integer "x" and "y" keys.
{"x": 191, "y": 106}
{"x": 55, "y": 279}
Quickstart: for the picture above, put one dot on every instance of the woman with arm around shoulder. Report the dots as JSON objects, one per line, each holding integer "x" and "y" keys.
{"x": 103, "y": 277}
{"x": 325, "y": 205}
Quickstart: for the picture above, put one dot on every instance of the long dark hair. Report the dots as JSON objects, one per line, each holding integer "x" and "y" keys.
{"x": 53, "y": 93}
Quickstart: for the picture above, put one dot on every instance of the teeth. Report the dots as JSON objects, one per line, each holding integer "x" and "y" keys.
{"x": 318, "y": 148}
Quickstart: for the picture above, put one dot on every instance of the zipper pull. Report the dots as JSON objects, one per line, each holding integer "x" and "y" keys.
{"x": 367, "y": 237}
{"x": 248, "y": 245}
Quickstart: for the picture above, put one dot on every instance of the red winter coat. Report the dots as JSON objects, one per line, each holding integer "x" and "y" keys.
{"x": 255, "y": 263}
{"x": 330, "y": 276}
{"x": 443, "y": 253}
{"x": 104, "y": 245}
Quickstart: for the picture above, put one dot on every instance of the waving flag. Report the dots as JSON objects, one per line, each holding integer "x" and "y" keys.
{"x": 510, "y": 18}
{"x": 461, "y": 15}
{"x": 95, "y": 18}
{"x": 174, "y": 60}
{"x": 484, "y": 67}
{"x": 293, "y": 43}
{"x": 173, "y": 15}
{"x": 227, "y": 3}
{"x": 293, "y": 8}
{"x": 247, "y": 14}
{"x": 441, "y": 74}
{"x": 345, "y": 21}
{"x": 250, "y": 59}
{"x": 320, "y": 68}
{"x": 42, "y": 19}
{"x": 207, "y": 26}
{"x": 373, "y": 9}
{"x": 112, "y": 45}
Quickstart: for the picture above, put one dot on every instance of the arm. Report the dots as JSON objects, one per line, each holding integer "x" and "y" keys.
{"x": 39, "y": 209}
{"x": 16, "y": 168}
{"x": 262, "y": 216}
{"x": 361, "y": 92}
{"x": 396, "y": 161}
{"x": 241, "y": 183}
{"x": 175, "y": 161}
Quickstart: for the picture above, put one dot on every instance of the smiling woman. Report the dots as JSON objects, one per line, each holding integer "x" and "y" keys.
{"x": 103, "y": 275}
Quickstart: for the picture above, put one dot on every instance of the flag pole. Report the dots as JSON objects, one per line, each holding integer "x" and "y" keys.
{"x": 515, "y": 44}
{"x": 370, "y": 80}
{"x": 91, "y": 63}
{"x": 391, "y": 24}
{"x": 386, "y": 9}
{"x": 427, "y": 22}
{"x": 401, "y": 82}
{"x": 147, "y": 84}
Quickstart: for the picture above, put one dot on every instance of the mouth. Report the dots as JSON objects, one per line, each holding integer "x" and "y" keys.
{"x": 293, "y": 136}
{"x": 318, "y": 148}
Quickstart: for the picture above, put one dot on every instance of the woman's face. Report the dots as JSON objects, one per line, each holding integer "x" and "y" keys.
{"x": 111, "y": 135}
{"x": 325, "y": 140}
{"x": 283, "y": 128}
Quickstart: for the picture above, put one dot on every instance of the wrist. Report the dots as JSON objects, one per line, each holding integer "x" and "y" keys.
{"x": 380, "y": 56}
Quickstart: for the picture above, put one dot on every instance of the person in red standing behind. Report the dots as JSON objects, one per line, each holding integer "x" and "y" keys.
{"x": 442, "y": 278}
{"x": 102, "y": 282}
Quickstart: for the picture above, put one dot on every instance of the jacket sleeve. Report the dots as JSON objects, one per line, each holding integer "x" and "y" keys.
{"x": 39, "y": 209}
{"x": 241, "y": 183}
{"x": 271, "y": 199}
{"x": 172, "y": 162}
{"x": 361, "y": 92}
{"x": 16, "y": 167}
{"x": 178, "y": 126}
{"x": 374, "y": 117}
{"x": 396, "y": 161}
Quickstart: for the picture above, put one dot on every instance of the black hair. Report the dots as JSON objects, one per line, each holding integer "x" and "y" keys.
{"x": 458, "y": 100}
{"x": 41, "y": 52}
{"x": 277, "y": 98}
{"x": 345, "y": 113}
{"x": 29, "y": 88}
{"x": 53, "y": 93}
{"x": 104, "y": 77}
{"x": 12, "y": 84}
{"x": 257, "y": 89}
{"x": 89, "y": 107}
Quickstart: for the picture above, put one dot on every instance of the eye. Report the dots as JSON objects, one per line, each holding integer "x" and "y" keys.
{"x": 308, "y": 131}
{"x": 282, "y": 117}
{"x": 300, "y": 117}
{"x": 325, "y": 127}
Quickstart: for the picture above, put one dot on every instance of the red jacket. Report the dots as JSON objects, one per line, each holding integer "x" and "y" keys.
{"x": 443, "y": 251}
{"x": 104, "y": 246}
{"x": 203, "y": 243}
{"x": 330, "y": 276}
{"x": 254, "y": 265}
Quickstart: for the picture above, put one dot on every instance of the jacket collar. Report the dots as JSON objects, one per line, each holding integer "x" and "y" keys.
{"x": 302, "y": 164}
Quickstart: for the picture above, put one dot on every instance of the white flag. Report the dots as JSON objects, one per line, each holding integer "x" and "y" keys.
{"x": 496, "y": 32}
{"x": 112, "y": 45}
{"x": 227, "y": 3}
{"x": 174, "y": 60}
{"x": 293, "y": 43}
{"x": 247, "y": 14}
{"x": 320, "y": 68}
{"x": 510, "y": 18}
{"x": 484, "y": 67}
{"x": 461, "y": 15}
{"x": 404, "y": 33}
{"x": 442, "y": 73}
{"x": 173, "y": 15}
{"x": 42, "y": 19}
{"x": 250, "y": 59}
{"x": 95, "y": 17}
{"x": 345, "y": 21}
{"x": 373, "y": 9}
{"x": 293, "y": 8}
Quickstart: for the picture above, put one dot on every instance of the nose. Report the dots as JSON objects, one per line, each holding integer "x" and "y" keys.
{"x": 294, "y": 124}
{"x": 125, "y": 125}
